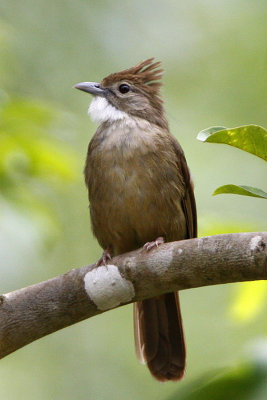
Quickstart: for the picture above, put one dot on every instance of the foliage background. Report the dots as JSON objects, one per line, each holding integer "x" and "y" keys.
{"x": 214, "y": 54}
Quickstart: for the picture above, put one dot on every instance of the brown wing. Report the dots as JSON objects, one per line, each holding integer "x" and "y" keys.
{"x": 188, "y": 201}
{"x": 159, "y": 337}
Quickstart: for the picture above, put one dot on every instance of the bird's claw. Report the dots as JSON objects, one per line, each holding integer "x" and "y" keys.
{"x": 151, "y": 245}
{"x": 103, "y": 260}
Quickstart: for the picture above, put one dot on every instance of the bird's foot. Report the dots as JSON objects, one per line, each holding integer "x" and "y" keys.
{"x": 151, "y": 245}
{"x": 103, "y": 260}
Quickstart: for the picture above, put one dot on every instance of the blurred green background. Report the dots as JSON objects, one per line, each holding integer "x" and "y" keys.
{"x": 214, "y": 55}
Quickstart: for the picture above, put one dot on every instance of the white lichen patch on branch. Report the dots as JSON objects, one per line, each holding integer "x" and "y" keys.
{"x": 254, "y": 242}
{"x": 159, "y": 262}
{"x": 107, "y": 288}
{"x": 203, "y": 244}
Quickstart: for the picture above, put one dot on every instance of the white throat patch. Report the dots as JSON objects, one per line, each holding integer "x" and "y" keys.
{"x": 100, "y": 110}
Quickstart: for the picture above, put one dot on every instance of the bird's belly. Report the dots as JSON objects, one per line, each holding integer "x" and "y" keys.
{"x": 137, "y": 201}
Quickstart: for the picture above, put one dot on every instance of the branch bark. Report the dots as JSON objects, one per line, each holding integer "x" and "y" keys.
{"x": 30, "y": 313}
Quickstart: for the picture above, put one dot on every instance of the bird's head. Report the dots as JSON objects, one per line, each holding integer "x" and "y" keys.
{"x": 134, "y": 92}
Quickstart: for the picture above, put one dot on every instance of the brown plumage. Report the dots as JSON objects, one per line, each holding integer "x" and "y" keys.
{"x": 139, "y": 190}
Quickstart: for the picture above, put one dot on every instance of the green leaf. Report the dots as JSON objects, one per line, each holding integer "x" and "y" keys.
{"x": 250, "y": 138}
{"x": 34, "y": 162}
{"x": 243, "y": 382}
{"x": 206, "y": 133}
{"x": 242, "y": 190}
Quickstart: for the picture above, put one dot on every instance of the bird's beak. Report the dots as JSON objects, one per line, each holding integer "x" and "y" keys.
{"x": 90, "y": 87}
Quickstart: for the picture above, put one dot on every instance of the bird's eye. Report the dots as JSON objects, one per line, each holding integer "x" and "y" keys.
{"x": 123, "y": 88}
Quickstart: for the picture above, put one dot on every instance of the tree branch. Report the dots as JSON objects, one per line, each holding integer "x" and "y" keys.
{"x": 30, "y": 313}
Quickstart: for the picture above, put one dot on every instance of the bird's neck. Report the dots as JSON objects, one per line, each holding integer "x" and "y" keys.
{"x": 101, "y": 111}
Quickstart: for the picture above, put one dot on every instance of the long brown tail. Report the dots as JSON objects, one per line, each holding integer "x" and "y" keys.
{"x": 159, "y": 338}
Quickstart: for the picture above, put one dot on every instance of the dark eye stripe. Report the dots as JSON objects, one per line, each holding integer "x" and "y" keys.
{"x": 111, "y": 91}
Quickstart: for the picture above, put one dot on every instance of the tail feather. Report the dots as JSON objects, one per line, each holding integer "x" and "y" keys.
{"x": 159, "y": 338}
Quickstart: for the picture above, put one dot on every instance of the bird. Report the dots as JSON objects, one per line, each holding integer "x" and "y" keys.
{"x": 141, "y": 195}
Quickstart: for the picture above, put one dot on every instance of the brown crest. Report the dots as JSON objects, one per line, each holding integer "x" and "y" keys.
{"x": 146, "y": 74}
